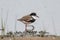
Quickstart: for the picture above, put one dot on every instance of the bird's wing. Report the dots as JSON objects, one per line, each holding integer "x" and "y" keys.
{"x": 26, "y": 18}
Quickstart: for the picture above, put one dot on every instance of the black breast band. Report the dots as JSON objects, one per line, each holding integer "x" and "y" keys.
{"x": 33, "y": 20}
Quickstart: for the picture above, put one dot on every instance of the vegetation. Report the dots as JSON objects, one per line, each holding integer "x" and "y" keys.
{"x": 42, "y": 33}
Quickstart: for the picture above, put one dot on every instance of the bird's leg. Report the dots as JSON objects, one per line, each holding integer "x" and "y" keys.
{"x": 26, "y": 27}
{"x": 32, "y": 27}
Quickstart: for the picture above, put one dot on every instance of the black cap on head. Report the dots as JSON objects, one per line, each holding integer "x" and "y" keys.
{"x": 33, "y": 14}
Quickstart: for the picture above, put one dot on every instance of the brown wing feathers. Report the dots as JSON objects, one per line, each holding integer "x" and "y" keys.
{"x": 25, "y": 18}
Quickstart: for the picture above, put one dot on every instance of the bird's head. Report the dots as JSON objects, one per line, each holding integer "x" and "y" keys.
{"x": 34, "y": 14}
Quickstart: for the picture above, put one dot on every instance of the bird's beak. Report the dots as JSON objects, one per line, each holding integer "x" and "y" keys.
{"x": 37, "y": 16}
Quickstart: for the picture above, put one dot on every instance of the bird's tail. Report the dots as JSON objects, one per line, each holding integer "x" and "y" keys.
{"x": 19, "y": 19}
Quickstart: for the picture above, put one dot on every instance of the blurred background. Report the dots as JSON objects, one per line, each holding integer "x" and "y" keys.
{"x": 47, "y": 10}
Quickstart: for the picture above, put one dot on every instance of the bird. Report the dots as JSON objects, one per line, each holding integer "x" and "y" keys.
{"x": 28, "y": 19}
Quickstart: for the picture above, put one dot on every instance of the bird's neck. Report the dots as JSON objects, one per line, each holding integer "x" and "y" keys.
{"x": 34, "y": 17}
